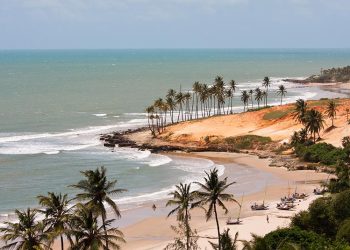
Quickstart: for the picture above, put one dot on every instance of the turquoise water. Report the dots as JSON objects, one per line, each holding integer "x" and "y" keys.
{"x": 54, "y": 104}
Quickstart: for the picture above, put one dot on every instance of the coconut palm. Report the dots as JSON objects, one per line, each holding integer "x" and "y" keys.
{"x": 245, "y": 98}
{"x": 281, "y": 91}
{"x": 96, "y": 191}
{"x": 182, "y": 199}
{"x": 219, "y": 87}
{"x": 251, "y": 96}
{"x": 229, "y": 95}
{"x": 57, "y": 214}
{"x": 212, "y": 193}
{"x": 314, "y": 122}
{"x": 171, "y": 105}
{"x": 187, "y": 98}
{"x": 331, "y": 110}
{"x": 233, "y": 87}
{"x": 90, "y": 235}
{"x": 196, "y": 89}
{"x": 300, "y": 111}
{"x": 227, "y": 243}
{"x": 26, "y": 234}
{"x": 179, "y": 98}
{"x": 150, "y": 115}
{"x": 266, "y": 83}
{"x": 258, "y": 96}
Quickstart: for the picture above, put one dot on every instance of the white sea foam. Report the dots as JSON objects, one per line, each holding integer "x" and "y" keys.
{"x": 100, "y": 115}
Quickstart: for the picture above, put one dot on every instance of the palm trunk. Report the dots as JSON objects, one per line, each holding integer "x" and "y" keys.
{"x": 62, "y": 247}
{"x": 217, "y": 226}
{"x": 187, "y": 231}
{"x": 105, "y": 229}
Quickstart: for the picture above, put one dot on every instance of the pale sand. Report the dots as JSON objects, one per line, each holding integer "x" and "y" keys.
{"x": 192, "y": 133}
{"x": 154, "y": 232}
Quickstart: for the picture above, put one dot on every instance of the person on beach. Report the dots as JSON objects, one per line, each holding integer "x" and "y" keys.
{"x": 267, "y": 218}
{"x": 154, "y": 207}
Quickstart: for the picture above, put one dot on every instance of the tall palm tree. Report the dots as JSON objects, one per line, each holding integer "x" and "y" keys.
{"x": 264, "y": 95}
{"x": 219, "y": 87}
{"x": 229, "y": 95}
{"x": 245, "y": 98}
{"x": 90, "y": 235}
{"x": 96, "y": 191}
{"x": 57, "y": 214}
{"x": 300, "y": 111}
{"x": 150, "y": 113}
{"x": 251, "y": 96}
{"x": 331, "y": 110}
{"x": 196, "y": 89}
{"x": 212, "y": 193}
{"x": 171, "y": 105}
{"x": 26, "y": 234}
{"x": 233, "y": 87}
{"x": 187, "y": 98}
{"x": 314, "y": 122}
{"x": 266, "y": 83}
{"x": 182, "y": 199}
{"x": 258, "y": 96}
{"x": 281, "y": 91}
{"x": 179, "y": 98}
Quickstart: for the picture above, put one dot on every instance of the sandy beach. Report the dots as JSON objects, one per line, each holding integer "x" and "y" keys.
{"x": 154, "y": 232}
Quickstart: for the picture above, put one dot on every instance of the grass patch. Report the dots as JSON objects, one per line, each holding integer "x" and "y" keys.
{"x": 247, "y": 141}
{"x": 321, "y": 102}
{"x": 276, "y": 114}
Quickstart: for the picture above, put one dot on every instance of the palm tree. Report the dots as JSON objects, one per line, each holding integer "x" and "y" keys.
{"x": 331, "y": 110}
{"x": 179, "y": 98}
{"x": 258, "y": 96}
{"x": 245, "y": 98}
{"x": 90, "y": 235}
{"x": 229, "y": 95}
{"x": 196, "y": 89}
{"x": 300, "y": 111}
{"x": 227, "y": 243}
{"x": 251, "y": 96}
{"x": 314, "y": 122}
{"x": 233, "y": 87}
{"x": 150, "y": 111}
{"x": 219, "y": 87}
{"x": 182, "y": 199}
{"x": 281, "y": 91}
{"x": 26, "y": 234}
{"x": 171, "y": 105}
{"x": 187, "y": 98}
{"x": 266, "y": 83}
{"x": 212, "y": 193}
{"x": 96, "y": 190}
{"x": 57, "y": 214}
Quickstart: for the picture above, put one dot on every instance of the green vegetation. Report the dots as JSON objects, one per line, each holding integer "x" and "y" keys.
{"x": 276, "y": 114}
{"x": 322, "y": 152}
{"x": 79, "y": 223}
{"x": 247, "y": 141}
{"x": 331, "y": 75}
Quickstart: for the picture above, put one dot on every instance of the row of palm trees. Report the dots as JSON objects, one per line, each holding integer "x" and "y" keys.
{"x": 84, "y": 224}
{"x": 204, "y": 101}
{"x": 312, "y": 119}
{"x": 210, "y": 197}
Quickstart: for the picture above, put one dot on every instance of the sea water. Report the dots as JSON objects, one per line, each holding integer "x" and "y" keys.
{"x": 55, "y": 103}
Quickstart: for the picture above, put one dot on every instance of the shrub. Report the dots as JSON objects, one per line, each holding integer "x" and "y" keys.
{"x": 343, "y": 233}
{"x": 322, "y": 152}
{"x": 303, "y": 239}
{"x": 341, "y": 206}
{"x": 247, "y": 141}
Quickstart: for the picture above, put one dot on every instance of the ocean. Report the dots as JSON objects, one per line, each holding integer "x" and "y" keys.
{"x": 55, "y": 103}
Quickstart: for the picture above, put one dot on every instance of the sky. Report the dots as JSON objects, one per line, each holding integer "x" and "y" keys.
{"x": 108, "y": 24}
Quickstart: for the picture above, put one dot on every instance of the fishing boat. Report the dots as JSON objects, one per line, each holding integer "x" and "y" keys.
{"x": 238, "y": 220}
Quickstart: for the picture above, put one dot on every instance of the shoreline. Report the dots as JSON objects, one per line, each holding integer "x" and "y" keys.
{"x": 140, "y": 235}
